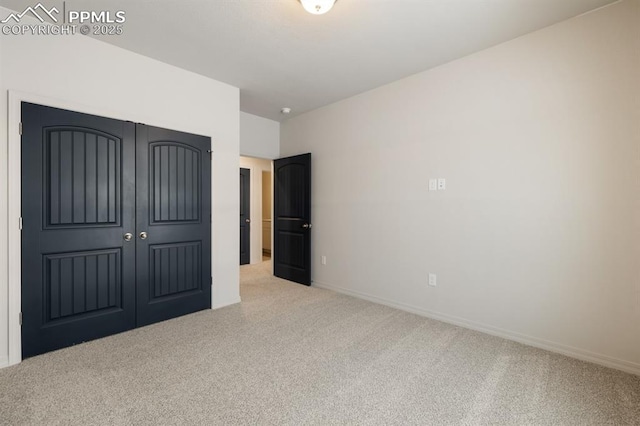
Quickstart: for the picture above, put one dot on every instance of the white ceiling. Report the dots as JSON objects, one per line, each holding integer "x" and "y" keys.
{"x": 279, "y": 55}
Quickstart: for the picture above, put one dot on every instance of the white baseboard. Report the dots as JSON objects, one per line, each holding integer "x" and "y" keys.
{"x": 581, "y": 354}
{"x": 4, "y": 361}
{"x": 227, "y": 303}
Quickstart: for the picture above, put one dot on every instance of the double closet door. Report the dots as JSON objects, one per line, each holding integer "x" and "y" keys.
{"x": 116, "y": 226}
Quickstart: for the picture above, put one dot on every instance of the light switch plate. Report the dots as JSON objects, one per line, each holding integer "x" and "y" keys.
{"x": 432, "y": 280}
{"x": 433, "y": 184}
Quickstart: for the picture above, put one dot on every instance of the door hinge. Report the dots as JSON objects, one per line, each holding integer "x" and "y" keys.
{"x": 20, "y": 223}
{"x": 20, "y": 318}
{"x": 20, "y": 128}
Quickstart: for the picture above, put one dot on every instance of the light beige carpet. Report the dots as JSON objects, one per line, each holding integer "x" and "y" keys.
{"x": 296, "y": 355}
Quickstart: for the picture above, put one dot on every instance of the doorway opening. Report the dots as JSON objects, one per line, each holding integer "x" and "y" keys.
{"x": 289, "y": 219}
{"x": 266, "y": 216}
{"x": 257, "y": 247}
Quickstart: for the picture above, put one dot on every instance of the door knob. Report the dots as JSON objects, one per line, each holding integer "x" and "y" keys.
{"x": 306, "y": 225}
{"x": 247, "y": 220}
{"x": 128, "y": 236}
{"x": 143, "y": 235}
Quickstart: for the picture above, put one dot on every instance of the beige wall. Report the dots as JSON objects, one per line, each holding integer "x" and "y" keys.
{"x": 537, "y": 236}
{"x": 259, "y": 137}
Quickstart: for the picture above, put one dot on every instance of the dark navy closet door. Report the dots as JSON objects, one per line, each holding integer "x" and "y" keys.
{"x": 78, "y": 202}
{"x": 173, "y": 223}
{"x": 116, "y": 226}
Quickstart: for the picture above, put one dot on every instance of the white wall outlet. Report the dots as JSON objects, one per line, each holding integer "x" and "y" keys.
{"x": 441, "y": 184}
{"x": 433, "y": 184}
{"x": 323, "y": 259}
{"x": 432, "y": 280}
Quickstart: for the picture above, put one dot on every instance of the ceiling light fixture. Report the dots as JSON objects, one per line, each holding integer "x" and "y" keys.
{"x": 317, "y": 7}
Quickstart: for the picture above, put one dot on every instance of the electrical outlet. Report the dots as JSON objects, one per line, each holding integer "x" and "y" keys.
{"x": 324, "y": 259}
{"x": 432, "y": 280}
{"x": 441, "y": 184}
{"x": 433, "y": 184}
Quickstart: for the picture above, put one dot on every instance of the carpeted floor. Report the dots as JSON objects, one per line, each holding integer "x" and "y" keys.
{"x": 296, "y": 355}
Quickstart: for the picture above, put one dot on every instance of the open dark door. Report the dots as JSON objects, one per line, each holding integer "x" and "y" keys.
{"x": 292, "y": 218}
{"x": 245, "y": 218}
{"x": 78, "y": 209}
{"x": 173, "y": 217}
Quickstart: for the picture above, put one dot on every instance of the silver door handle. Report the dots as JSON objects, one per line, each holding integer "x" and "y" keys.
{"x": 143, "y": 235}
{"x": 307, "y": 225}
{"x": 248, "y": 220}
{"x": 128, "y": 236}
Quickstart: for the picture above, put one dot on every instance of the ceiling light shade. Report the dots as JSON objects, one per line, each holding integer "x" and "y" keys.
{"x": 317, "y": 7}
